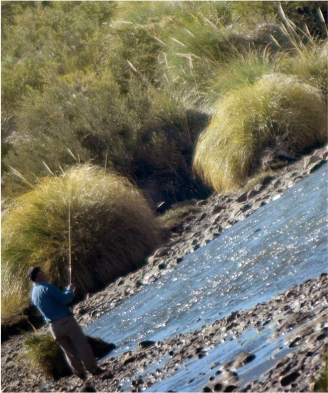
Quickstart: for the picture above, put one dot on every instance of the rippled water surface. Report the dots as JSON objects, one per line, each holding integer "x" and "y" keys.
{"x": 280, "y": 245}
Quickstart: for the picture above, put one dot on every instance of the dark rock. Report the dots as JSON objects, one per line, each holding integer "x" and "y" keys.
{"x": 207, "y": 389}
{"x": 107, "y": 375}
{"x": 217, "y": 387}
{"x": 288, "y": 379}
{"x": 242, "y": 197}
{"x": 128, "y": 358}
{"x": 242, "y": 359}
{"x": 230, "y": 388}
{"x": 217, "y": 209}
{"x": 100, "y": 348}
{"x": 232, "y": 316}
{"x": 251, "y": 194}
{"x": 87, "y": 387}
{"x": 146, "y": 344}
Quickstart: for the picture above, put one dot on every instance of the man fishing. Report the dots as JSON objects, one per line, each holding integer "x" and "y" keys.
{"x": 52, "y": 305}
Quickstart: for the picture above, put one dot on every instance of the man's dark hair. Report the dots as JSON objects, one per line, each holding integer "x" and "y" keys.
{"x": 33, "y": 272}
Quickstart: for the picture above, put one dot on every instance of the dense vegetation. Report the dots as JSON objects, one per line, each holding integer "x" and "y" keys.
{"x": 130, "y": 85}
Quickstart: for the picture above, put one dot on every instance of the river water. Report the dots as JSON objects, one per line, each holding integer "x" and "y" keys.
{"x": 280, "y": 245}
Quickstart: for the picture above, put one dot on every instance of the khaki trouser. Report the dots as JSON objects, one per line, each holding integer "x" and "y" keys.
{"x": 70, "y": 337}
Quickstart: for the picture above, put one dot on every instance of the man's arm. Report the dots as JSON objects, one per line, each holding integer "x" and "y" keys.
{"x": 60, "y": 297}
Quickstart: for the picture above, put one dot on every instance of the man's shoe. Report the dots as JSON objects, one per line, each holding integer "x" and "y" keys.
{"x": 82, "y": 376}
{"x": 98, "y": 371}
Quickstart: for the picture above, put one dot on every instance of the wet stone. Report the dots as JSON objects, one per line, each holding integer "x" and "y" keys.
{"x": 230, "y": 388}
{"x": 290, "y": 378}
{"x": 207, "y": 389}
{"x": 242, "y": 359}
{"x": 146, "y": 344}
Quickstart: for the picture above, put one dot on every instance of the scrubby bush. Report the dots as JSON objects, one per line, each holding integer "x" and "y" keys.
{"x": 112, "y": 231}
{"x": 278, "y": 111}
{"x": 147, "y": 135}
{"x": 129, "y": 85}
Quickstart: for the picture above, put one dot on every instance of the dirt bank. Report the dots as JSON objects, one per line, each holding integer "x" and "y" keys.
{"x": 306, "y": 304}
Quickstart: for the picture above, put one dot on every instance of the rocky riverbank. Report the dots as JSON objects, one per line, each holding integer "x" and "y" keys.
{"x": 302, "y": 309}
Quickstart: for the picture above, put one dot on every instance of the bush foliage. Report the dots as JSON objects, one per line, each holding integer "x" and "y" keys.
{"x": 112, "y": 230}
{"x": 130, "y": 85}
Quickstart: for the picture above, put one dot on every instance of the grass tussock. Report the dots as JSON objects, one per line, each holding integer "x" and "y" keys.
{"x": 44, "y": 355}
{"x": 175, "y": 216}
{"x": 276, "y": 110}
{"x": 112, "y": 231}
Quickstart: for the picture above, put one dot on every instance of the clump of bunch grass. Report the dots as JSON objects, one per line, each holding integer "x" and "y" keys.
{"x": 112, "y": 231}
{"x": 244, "y": 70}
{"x": 175, "y": 216}
{"x": 44, "y": 355}
{"x": 276, "y": 110}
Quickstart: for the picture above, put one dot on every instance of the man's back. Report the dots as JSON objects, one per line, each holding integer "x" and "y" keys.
{"x": 50, "y": 301}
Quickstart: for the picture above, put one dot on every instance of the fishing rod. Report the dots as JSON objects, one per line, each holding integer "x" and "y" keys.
{"x": 69, "y": 243}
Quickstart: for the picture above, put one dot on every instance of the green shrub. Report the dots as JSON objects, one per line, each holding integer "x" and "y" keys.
{"x": 112, "y": 231}
{"x": 277, "y": 110}
{"x": 147, "y": 134}
{"x": 60, "y": 38}
{"x": 81, "y": 112}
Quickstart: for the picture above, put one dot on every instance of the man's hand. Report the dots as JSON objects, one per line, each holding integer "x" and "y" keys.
{"x": 72, "y": 287}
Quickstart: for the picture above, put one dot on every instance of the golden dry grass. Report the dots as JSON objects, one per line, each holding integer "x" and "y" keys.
{"x": 250, "y": 118}
{"x": 112, "y": 231}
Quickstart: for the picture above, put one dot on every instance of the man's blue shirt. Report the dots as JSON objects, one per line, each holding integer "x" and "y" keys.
{"x": 50, "y": 301}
